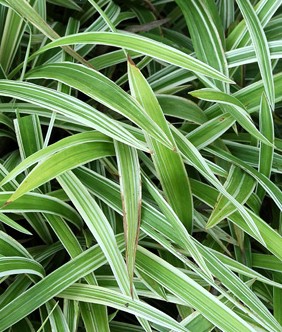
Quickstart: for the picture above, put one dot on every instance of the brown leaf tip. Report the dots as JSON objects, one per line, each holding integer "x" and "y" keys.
{"x": 129, "y": 59}
{"x": 6, "y": 203}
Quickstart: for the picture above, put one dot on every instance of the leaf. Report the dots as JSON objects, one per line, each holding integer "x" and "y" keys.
{"x": 131, "y": 196}
{"x": 11, "y": 223}
{"x": 240, "y": 185}
{"x": 169, "y": 164}
{"x": 272, "y": 239}
{"x": 25, "y": 10}
{"x": 186, "y": 289}
{"x": 235, "y": 108}
{"x": 181, "y": 108}
{"x": 18, "y": 265}
{"x": 139, "y": 44}
{"x": 102, "y": 89}
{"x": 193, "y": 156}
{"x": 60, "y": 163}
{"x": 45, "y": 153}
{"x": 52, "y": 285}
{"x": 34, "y": 202}
{"x": 96, "y": 294}
{"x": 98, "y": 225}
{"x": 184, "y": 236}
{"x": 265, "y": 152}
{"x": 270, "y": 187}
{"x": 56, "y": 317}
{"x": 259, "y": 42}
{"x": 211, "y": 130}
{"x": 11, "y": 247}
{"x": 70, "y": 107}
{"x": 205, "y": 34}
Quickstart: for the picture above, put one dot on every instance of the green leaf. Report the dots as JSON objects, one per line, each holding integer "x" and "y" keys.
{"x": 102, "y": 89}
{"x": 61, "y": 162}
{"x": 70, "y": 107}
{"x": 205, "y": 34}
{"x": 172, "y": 218}
{"x": 168, "y": 163}
{"x": 96, "y": 294}
{"x": 52, "y": 285}
{"x": 193, "y": 156}
{"x": 265, "y": 152}
{"x": 45, "y": 153}
{"x": 11, "y": 247}
{"x": 26, "y": 11}
{"x": 234, "y": 107}
{"x": 18, "y": 265}
{"x": 131, "y": 196}
{"x": 181, "y": 108}
{"x": 34, "y": 202}
{"x": 259, "y": 42}
{"x": 140, "y": 44}
{"x": 240, "y": 185}
{"x": 189, "y": 291}
{"x": 98, "y": 225}
{"x": 11, "y": 223}
{"x": 270, "y": 187}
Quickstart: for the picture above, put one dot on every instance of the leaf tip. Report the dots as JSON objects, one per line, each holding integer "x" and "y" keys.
{"x": 6, "y": 203}
{"x": 129, "y": 59}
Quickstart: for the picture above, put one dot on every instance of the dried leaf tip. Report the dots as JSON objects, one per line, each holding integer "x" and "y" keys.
{"x": 129, "y": 59}
{"x": 5, "y": 204}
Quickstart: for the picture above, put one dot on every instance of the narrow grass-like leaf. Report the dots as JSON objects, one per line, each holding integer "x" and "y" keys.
{"x": 99, "y": 87}
{"x": 270, "y": 187}
{"x": 181, "y": 108}
{"x": 265, "y": 152}
{"x": 232, "y": 282}
{"x": 97, "y": 314}
{"x": 66, "y": 3}
{"x": 52, "y": 285}
{"x": 277, "y": 298}
{"x": 242, "y": 269}
{"x": 168, "y": 163}
{"x": 29, "y": 135}
{"x": 140, "y": 44}
{"x": 259, "y": 312}
{"x": 71, "y": 312}
{"x": 235, "y": 108}
{"x": 211, "y": 130}
{"x": 63, "y": 144}
{"x": 189, "y": 291}
{"x": 11, "y": 247}
{"x": 193, "y": 155}
{"x": 205, "y": 35}
{"x": 246, "y": 55}
{"x": 98, "y": 225}
{"x": 130, "y": 185}
{"x": 185, "y": 237}
{"x": 259, "y": 42}
{"x": 96, "y": 294}
{"x": 61, "y": 162}
{"x": 240, "y": 185}
{"x": 272, "y": 240}
{"x": 34, "y": 202}
{"x": 154, "y": 220}
{"x": 10, "y": 39}
{"x": 70, "y": 107}
{"x": 25, "y": 10}
{"x": 56, "y": 317}
{"x": 11, "y": 223}
{"x": 17, "y": 265}
{"x": 265, "y": 10}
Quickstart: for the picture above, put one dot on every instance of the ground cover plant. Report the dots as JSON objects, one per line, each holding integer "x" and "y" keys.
{"x": 140, "y": 165}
